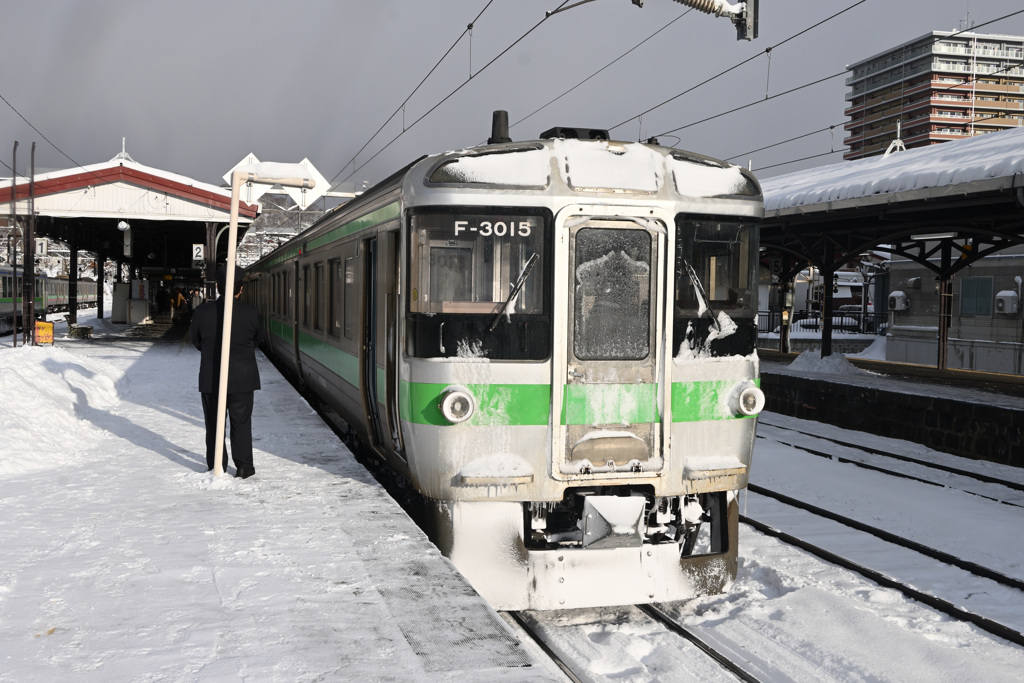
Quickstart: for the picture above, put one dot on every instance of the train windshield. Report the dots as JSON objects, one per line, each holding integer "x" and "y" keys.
{"x": 715, "y": 282}
{"x": 719, "y": 254}
{"x": 483, "y": 274}
{"x": 468, "y": 263}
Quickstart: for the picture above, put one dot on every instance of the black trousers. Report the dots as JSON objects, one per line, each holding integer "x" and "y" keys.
{"x": 239, "y": 407}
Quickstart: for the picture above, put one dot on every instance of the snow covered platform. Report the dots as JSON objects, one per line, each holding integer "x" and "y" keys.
{"x": 122, "y": 559}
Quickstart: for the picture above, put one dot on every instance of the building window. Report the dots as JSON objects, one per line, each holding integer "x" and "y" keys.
{"x": 976, "y": 296}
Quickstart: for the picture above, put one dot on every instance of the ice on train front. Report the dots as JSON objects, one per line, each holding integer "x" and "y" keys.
{"x": 579, "y": 374}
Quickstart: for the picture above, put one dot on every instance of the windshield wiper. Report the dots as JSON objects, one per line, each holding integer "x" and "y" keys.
{"x": 527, "y": 269}
{"x": 701, "y": 293}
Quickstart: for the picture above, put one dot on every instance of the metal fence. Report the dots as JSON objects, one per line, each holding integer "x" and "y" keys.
{"x": 843, "y": 322}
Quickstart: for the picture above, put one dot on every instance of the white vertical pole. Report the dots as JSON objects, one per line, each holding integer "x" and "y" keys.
{"x": 292, "y": 175}
{"x": 229, "y": 300}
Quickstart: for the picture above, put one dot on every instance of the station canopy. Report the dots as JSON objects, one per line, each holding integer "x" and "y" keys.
{"x": 167, "y": 213}
{"x": 943, "y": 206}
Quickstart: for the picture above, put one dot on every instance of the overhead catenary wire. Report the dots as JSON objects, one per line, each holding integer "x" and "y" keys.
{"x": 738, "y": 65}
{"x": 935, "y": 39}
{"x": 756, "y": 102}
{"x": 445, "y": 98}
{"x": 401, "y": 107}
{"x": 48, "y": 140}
{"x": 783, "y": 142}
{"x": 603, "y": 68}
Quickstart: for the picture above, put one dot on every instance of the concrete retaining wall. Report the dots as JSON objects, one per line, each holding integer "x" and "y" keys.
{"x": 970, "y": 430}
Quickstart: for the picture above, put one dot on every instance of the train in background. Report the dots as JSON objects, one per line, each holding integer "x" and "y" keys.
{"x": 553, "y": 342}
{"x": 51, "y": 296}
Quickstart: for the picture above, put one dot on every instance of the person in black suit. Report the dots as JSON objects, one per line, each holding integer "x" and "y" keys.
{"x": 243, "y": 374}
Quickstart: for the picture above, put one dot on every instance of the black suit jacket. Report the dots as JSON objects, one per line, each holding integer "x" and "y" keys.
{"x": 246, "y": 334}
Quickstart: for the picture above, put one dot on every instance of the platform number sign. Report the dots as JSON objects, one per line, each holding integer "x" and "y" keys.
{"x": 197, "y": 253}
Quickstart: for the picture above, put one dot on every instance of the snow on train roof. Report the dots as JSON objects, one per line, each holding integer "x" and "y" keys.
{"x": 593, "y": 165}
{"x": 991, "y": 159}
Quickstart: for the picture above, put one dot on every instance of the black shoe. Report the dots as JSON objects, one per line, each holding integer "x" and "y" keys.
{"x": 245, "y": 472}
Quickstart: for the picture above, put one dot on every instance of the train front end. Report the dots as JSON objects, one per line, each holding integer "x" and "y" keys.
{"x": 579, "y": 375}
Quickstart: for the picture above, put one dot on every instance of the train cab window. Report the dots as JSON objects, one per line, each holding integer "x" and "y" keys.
{"x": 613, "y": 294}
{"x": 480, "y": 283}
{"x": 715, "y": 276}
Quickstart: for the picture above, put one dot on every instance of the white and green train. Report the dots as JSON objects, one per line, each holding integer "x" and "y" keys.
{"x": 551, "y": 341}
{"x": 51, "y": 296}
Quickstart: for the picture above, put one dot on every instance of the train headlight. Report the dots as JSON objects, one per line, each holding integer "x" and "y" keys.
{"x": 747, "y": 400}
{"x": 457, "y": 404}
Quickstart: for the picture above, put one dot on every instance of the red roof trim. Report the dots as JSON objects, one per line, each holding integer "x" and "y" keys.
{"x": 118, "y": 173}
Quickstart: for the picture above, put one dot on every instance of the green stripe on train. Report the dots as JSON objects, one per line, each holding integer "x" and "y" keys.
{"x": 530, "y": 404}
{"x": 609, "y": 403}
{"x": 381, "y": 215}
{"x": 341, "y": 363}
{"x": 698, "y": 401}
{"x": 496, "y": 404}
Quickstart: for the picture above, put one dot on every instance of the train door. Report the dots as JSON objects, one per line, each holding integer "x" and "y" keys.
{"x": 380, "y": 364}
{"x": 293, "y": 297}
{"x": 371, "y": 336}
{"x": 612, "y": 346}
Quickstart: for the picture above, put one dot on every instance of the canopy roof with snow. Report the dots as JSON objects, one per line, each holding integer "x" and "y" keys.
{"x": 123, "y": 189}
{"x": 167, "y": 213}
{"x": 988, "y": 162}
{"x": 943, "y": 206}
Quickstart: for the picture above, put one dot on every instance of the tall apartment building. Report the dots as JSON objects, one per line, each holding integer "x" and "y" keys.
{"x": 942, "y": 86}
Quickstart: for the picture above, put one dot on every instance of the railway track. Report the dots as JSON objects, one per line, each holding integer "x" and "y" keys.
{"x": 870, "y": 458}
{"x": 947, "y": 605}
{"x": 579, "y": 672}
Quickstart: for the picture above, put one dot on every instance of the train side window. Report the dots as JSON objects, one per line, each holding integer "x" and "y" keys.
{"x": 351, "y": 314}
{"x": 307, "y": 297}
{"x": 318, "y": 296}
{"x": 334, "y": 294}
{"x": 288, "y": 294}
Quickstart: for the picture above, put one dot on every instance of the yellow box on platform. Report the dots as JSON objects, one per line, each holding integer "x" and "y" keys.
{"x": 44, "y": 332}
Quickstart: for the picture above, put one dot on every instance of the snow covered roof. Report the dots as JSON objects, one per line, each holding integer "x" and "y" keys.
{"x": 124, "y": 188}
{"x": 985, "y": 163}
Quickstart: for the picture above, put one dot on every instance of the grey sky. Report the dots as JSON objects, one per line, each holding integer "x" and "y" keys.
{"x": 195, "y": 85}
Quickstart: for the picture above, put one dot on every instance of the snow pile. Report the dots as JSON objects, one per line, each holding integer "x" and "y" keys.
{"x": 835, "y": 364}
{"x": 874, "y": 352}
{"x": 518, "y": 168}
{"x": 631, "y": 166}
{"x": 701, "y": 180}
{"x": 52, "y": 398}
